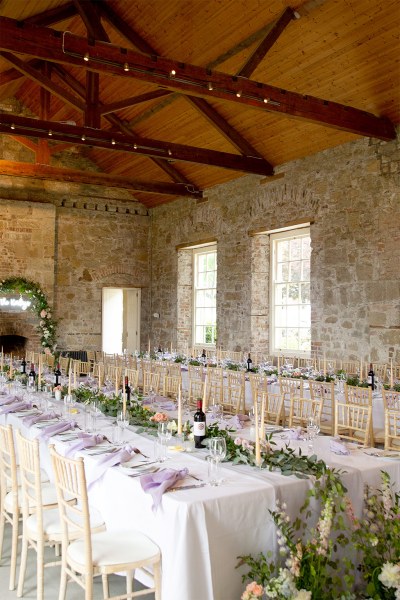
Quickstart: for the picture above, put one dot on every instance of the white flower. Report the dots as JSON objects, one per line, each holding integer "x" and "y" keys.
{"x": 390, "y": 575}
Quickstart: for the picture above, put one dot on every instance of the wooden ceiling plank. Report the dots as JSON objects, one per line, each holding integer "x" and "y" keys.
{"x": 117, "y": 141}
{"x": 48, "y": 172}
{"x": 43, "y": 80}
{"x": 124, "y": 29}
{"x": 42, "y": 42}
{"x": 90, "y": 17}
{"x": 266, "y": 44}
{"x": 53, "y": 15}
{"x": 116, "y": 106}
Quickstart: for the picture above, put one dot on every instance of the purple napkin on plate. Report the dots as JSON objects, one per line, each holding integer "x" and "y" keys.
{"x": 295, "y": 434}
{"x": 234, "y": 421}
{"x": 15, "y": 406}
{"x": 109, "y": 460}
{"x": 85, "y": 440}
{"x": 156, "y": 484}
{"x": 32, "y": 419}
{"x": 56, "y": 428}
{"x": 338, "y": 447}
{"x": 8, "y": 399}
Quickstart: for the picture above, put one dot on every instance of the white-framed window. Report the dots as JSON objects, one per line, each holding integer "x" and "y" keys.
{"x": 290, "y": 314}
{"x": 205, "y": 295}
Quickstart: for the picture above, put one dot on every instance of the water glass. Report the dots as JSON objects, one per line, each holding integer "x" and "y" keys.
{"x": 313, "y": 429}
{"x": 164, "y": 434}
{"x": 214, "y": 477}
{"x": 122, "y": 422}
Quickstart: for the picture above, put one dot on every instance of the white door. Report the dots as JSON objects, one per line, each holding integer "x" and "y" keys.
{"x": 120, "y": 320}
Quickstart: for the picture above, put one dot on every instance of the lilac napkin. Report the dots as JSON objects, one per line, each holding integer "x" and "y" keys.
{"x": 234, "y": 421}
{"x": 32, "y": 419}
{"x": 243, "y": 418}
{"x": 109, "y": 460}
{"x": 85, "y": 440}
{"x": 8, "y": 399}
{"x": 295, "y": 434}
{"x": 156, "y": 484}
{"x": 59, "y": 427}
{"x": 338, "y": 447}
{"x": 14, "y": 406}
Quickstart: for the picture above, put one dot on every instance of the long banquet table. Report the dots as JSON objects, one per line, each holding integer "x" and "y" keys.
{"x": 202, "y": 531}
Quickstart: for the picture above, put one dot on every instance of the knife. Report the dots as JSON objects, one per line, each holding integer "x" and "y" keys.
{"x": 186, "y": 487}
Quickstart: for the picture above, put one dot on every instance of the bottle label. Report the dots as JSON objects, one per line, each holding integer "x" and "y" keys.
{"x": 369, "y": 380}
{"x": 199, "y": 428}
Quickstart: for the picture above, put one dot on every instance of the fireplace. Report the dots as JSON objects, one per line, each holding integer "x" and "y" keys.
{"x": 15, "y": 344}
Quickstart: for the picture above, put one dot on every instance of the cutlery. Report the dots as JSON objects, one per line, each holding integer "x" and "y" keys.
{"x": 186, "y": 487}
{"x": 144, "y": 472}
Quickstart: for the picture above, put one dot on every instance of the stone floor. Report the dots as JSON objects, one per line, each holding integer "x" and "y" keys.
{"x": 51, "y": 582}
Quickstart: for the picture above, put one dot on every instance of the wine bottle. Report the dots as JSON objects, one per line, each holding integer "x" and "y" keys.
{"x": 127, "y": 390}
{"x": 199, "y": 424}
{"x": 23, "y": 366}
{"x": 249, "y": 362}
{"x": 57, "y": 375}
{"x": 371, "y": 377}
{"x": 203, "y": 354}
{"x": 32, "y": 376}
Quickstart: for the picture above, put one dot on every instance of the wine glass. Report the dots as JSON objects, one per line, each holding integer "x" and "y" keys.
{"x": 164, "y": 434}
{"x": 122, "y": 422}
{"x": 313, "y": 429}
{"x": 217, "y": 446}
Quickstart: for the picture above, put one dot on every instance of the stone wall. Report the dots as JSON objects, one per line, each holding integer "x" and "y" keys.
{"x": 352, "y": 196}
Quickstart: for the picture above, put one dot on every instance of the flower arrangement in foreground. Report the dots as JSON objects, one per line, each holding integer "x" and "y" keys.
{"x": 310, "y": 567}
{"x": 47, "y": 325}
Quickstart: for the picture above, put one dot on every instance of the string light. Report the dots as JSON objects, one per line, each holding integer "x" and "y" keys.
{"x": 12, "y": 125}
{"x": 239, "y": 93}
{"x": 172, "y": 73}
{"x": 210, "y": 86}
{"x": 83, "y": 137}
{"x": 126, "y": 67}
{"x": 135, "y": 146}
{"x": 50, "y": 132}
{"x": 113, "y": 142}
{"x": 86, "y": 57}
{"x": 169, "y": 152}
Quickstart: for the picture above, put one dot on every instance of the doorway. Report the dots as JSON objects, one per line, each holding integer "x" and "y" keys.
{"x": 121, "y": 320}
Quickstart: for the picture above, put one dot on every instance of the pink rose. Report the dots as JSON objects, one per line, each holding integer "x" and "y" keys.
{"x": 43, "y": 313}
{"x": 159, "y": 417}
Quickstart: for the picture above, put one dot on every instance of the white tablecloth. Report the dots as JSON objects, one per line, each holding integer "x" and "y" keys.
{"x": 202, "y": 531}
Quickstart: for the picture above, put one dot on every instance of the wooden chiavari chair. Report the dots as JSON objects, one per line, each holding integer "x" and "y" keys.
{"x": 237, "y": 378}
{"x": 362, "y": 396}
{"x": 233, "y": 398}
{"x": 289, "y": 387}
{"x": 195, "y": 372}
{"x": 273, "y": 408}
{"x": 151, "y": 381}
{"x": 133, "y": 378}
{"x": 301, "y": 409}
{"x": 325, "y": 392}
{"x": 392, "y": 429}
{"x": 174, "y": 369}
{"x": 195, "y": 390}
{"x": 171, "y": 386}
{"x": 353, "y": 422}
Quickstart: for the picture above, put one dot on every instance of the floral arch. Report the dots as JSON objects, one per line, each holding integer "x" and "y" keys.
{"x": 47, "y": 325}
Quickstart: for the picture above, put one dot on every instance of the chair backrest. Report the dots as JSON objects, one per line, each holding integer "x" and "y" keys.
{"x": 174, "y": 369}
{"x": 351, "y": 367}
{"x": 151, "y": 381}
{"x": 380, "y": 371}
{"x": 353, "y": 422}
{"x": 391, "y": 399}
{"x": 195, "y": 372}
{"x": 8, "y": 465}
{"x": 301, "y": 409}
{"x": 233, "y": 398}
{"x": 31, "y": 483}
{"x": 236, "y": 378}
{"x": 289, "y": 387}
{"x": 195, "y": 390}
{"x": 215, "y": 373}
{"x": 133, "y": 377}
{"x": 114, "y": 374}
{"x": 64, "y": 364}
{"x": 172, "y": 385}
{"x": 273, "y": 408}
{"x": 325, "y": 391}
{"x": 358, "y": 395}
{"x": 70, "y": 481}
{"x": 392, "y": 429}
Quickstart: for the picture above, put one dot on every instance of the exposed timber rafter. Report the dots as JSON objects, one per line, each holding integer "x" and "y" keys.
{"x": 47, "y": 172}
{"x": 87, "y": 136}
{"x": 48, "y": 44}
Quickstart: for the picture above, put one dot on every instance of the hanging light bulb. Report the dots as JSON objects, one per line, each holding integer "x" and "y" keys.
{"x": 210, "y": 86}
{"x": 50, "y": 132}
{"x": 172, "y": 73}
{"x": 239, "y": 93}
{"x": 86, "y": 57}
{"x": 126, "y": 67}
{"x": 113, "y": 142}
{"x": 12, "y": 125}
{"x": 83, "y": 137}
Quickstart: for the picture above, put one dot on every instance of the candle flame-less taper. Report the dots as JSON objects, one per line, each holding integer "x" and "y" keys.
{"x": 179, "y": 411}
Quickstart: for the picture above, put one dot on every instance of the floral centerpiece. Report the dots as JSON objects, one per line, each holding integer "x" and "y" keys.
{"x": 47, "y": 325}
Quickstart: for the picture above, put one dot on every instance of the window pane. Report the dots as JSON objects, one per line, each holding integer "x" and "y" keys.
{"x": 280, "y": 294}
{"x": 305, "y": 293}
{"x": 294, "y": 293}
{"x": 295, "y": 271}
{"x": 202, "y": 262}
{"x": 210, "y": 280}
{"x": 200, "y": 298}
{"x": 280, "y": 316}
{"x": 306, "y": 248}
{"x": 211, "y": 266}
{"x": 292, "y": 316}
{"x": 283, "y": 250}
{"x": 205, "y": 281}
{"x": 295, "y": 249}
{"x": 306, "y": 270}
{"x": 282, "y": 273}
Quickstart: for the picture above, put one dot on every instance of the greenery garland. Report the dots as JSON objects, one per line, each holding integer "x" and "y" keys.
{"x": 47, "y": 325}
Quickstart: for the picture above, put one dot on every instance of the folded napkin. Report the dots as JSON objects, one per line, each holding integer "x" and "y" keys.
{"x": 32, "y": 419}
{"x": 85, "y": 440}
{"x": 15, "y": 406}
{"x": 8, "y": 399}
{"x": 295, "y": 434}
{"x": 56, "y": 428}
{"x": 234, "y": 422}
{"x": 109, "y": 460}
{"x": 156, "y": 484}
{"x": 338, "y": 447}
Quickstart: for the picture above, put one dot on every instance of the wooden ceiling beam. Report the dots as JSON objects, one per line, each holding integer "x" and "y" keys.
{"x": 266, "y": 44}
{"x": 49, "y": 44}
{"x": 116, "y": 106}
{"x": 18, "y": 169}
{"x": 28, "y": 143}
{"x": 86, "y": 136}
{"x": 43, "y": 80}
{"x": 53, "y": 15}
{"x": 91, "y": 19}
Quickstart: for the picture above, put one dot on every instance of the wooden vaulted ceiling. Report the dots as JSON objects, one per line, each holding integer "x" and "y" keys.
{"x": 177, "y": 96}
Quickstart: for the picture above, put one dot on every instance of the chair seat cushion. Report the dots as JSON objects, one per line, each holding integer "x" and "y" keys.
{"x": 52, "y": 524}
{"x": 49, "y": 497}
{"x": 115, "y": 548}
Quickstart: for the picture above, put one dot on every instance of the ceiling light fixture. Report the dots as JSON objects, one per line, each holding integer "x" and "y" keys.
{"x": 83, "y": 137}
{"x": 169, "y": 152}
{"x": 239, "y": 93}
{"x": 113, "y": 142}
{"x": 12, "y": 125}
{"x": 271, "y": 102}
{"x": 210, "y": 86}
{"x": 135, "y": 146}
{"x": 86, "y": 57}
{"x": 50, "y": 132}
{"x": 126, "y": 67}
{"x": 172, "y": 73}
